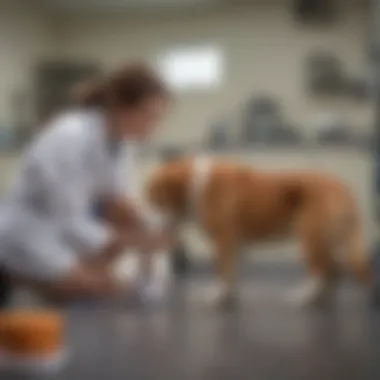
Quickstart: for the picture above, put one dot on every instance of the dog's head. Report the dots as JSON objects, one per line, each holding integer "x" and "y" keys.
{"x": 168, "y": 187}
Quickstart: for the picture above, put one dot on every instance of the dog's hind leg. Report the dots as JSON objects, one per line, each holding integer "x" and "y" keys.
{"x": 354, "y": 246}
{"x": 320, "y": 262}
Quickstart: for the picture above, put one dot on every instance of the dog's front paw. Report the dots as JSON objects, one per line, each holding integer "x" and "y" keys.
{"x": 302, "y": 297}
{"x": 314, "y": 293}
{"x": 222, "y": 298}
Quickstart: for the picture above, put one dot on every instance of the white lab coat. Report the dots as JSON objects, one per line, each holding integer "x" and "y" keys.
{"x": 46, "y": 218}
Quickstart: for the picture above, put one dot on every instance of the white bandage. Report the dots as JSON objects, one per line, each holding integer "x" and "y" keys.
{"x": 126, "y": 269}
{"x": 153, "y": 219}
{"x": 152, "y": 288}
{"x": 313, "y": 290}
{"x": 155, "y": 288}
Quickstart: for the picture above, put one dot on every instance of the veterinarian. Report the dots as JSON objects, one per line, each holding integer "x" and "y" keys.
{"x": 50, "y": 238}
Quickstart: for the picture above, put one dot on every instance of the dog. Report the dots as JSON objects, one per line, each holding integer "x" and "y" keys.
{"x": 236, "y": 205}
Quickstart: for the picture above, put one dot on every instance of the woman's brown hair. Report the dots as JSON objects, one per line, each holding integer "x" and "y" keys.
{"x": 125, "y": 87}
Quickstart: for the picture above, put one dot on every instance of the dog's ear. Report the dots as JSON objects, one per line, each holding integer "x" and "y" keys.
{"x": 167, "y": 187}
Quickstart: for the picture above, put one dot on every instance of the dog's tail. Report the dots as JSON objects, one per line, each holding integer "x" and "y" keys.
{"x": 345, "y": 229}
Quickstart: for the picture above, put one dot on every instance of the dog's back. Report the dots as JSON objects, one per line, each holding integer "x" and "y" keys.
{"x": 264, "y": 205}
{"x": 318, "y": 208}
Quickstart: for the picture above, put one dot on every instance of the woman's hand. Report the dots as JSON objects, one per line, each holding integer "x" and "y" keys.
{"x": 128, "y": 220}
{"x": 120, "y": 212}
{"x": 87, "y": 281}
{"x": 158, "y": 240}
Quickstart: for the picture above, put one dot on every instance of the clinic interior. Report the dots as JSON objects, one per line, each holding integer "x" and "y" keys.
{"x": 277, "y": 84}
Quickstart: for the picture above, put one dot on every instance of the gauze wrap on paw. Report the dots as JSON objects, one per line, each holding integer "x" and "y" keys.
{"x": 155, "y": 287}
{"x": 126, "y": 268}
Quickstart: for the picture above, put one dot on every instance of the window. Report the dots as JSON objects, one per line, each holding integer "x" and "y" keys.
{"x": 199, "y": 68}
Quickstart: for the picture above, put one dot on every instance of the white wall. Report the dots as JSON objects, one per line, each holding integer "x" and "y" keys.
{"x": 25, "y": 37}
{"x": 264, "y": 49}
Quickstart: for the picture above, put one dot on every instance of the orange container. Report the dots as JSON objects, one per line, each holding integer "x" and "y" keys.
{"x": 31, "y": 333}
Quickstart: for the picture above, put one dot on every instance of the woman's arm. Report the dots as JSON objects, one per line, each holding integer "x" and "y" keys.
{"x": 120, "y": 212}
{"x": 121, "y": 209}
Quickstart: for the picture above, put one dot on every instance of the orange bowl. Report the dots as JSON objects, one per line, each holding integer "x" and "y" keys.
{"x": 31, "y": 332}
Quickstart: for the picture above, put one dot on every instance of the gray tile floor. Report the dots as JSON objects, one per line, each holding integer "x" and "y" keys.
{"x": 266, "y": 338}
